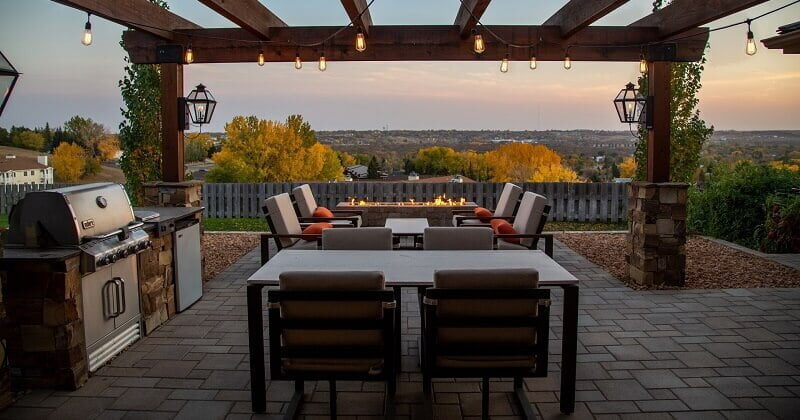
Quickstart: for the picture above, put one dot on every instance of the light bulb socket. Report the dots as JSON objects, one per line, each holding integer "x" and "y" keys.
{"x": 88, "y": 26}
{"x": 750, "y": 35}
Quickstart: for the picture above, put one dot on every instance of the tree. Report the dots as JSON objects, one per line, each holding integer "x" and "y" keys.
{"x": 86, "y": 133}
{"x": 439, "y": 160}
{"x": 614, "y": 170}
{"x": 197, "y": 146}
{"x": 28, "y": 140}
{"x": 68, "y": 162}
{"x": 5, "y": 137}
{"x": 303, "y": 130}
{"x": 140, "y": 130}
{"x": 688, "y": 132}
{"x": 627, "y": 169}
{"x": 108, "y": 147}
{"x": 373, "y": 171}
{"x": 523, "y": 162}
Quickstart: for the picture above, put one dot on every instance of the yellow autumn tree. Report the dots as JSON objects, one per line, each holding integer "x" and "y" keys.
{"x": 69, "y": 162}
{"x": 627, "y": 168}
{"x": 268, "y": 151}
{"x": 523, "y": 162}
{"x": 108, "y": 147}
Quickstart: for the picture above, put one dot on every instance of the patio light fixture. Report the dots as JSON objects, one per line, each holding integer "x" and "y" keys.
{"x": 361, "y": 42}
{"x": 567, "y": 61}
{"x": 199, "y": 106}
{"x": 86, "y": 39}
{"x": 631, "y": 106}
{"x": 188, "y": 55}
{"x": 298, "y": 63}
{"x": 261, "y": 60}
{"x": 751, "y": 41}
{"x": 642, "y": 64}
{"x": 8, "y": 78}
{"x": 479, "y": 47}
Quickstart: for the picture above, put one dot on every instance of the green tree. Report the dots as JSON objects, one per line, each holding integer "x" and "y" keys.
{"x": 373, "y": 171}
{"x": 197, "y": 146}
{"x": 28, "y": 140}
{"x": 140, "y": 130}
{"x": 5, "y": 137}
{"x": 303, "y": 130}
{"x": 86, "y": 133}
{"x": 688, "y": 132}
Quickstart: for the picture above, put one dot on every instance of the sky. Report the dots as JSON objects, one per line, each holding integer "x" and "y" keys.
{"x": 62, "y": 78}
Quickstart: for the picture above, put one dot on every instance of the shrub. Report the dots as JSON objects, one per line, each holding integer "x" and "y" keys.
{"x": 781, "y": 230}
{"x": 731, "y": 205}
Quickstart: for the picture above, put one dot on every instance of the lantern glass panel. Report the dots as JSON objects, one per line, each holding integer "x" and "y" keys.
{"x": 8, "y": 77}
{"x": 629, "y": 105}
{"x": 201, "y": 105}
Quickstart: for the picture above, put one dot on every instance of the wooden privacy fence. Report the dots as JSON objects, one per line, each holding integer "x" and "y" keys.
{"x": 602, "y": 202}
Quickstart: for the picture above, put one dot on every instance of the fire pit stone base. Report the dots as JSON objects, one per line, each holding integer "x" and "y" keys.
{"x": 375, "y": 214}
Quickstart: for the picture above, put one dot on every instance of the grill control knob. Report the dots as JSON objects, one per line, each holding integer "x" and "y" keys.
{"x": 112, "y": 258}
{"x": 102, "y": 261}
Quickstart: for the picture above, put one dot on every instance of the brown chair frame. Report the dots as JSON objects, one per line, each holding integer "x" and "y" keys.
{"x": 387, "y": 351}
{"x": 265, "y": 237}
{"x": 430, "y": 349}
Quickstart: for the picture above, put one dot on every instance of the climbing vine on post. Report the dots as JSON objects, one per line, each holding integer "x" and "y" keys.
{"x": 140, "y": 130}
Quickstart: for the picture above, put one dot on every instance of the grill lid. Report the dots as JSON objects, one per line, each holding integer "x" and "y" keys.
{"x": 70, "y": 215}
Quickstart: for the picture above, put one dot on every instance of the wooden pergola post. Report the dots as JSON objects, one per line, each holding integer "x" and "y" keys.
{"x": 172, "y": 159}
{"x": 658, "y": 137}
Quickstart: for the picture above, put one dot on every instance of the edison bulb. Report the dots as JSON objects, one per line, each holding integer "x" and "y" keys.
{"x": 261, "y": 58}
{"x": 188, "y": 56}
{"x": 361, "y": 42}
{"x": 323, "y": 64}
{"x": 87, "y": 35}
{"x": 643, "y": 66}
{"x": 504, "y": 65}
{"x": 298, "y": 63}
{"x": 751, "y": 44}
{"x": 567, "y": 62}
{"x": 533, "y": 62}
{"x": 479, "y": 47}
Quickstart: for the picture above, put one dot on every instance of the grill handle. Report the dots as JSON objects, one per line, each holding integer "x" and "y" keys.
{"x": 110, "y": 303}
{"x": 120, "y": 282}
{"x": 115, "y": 232}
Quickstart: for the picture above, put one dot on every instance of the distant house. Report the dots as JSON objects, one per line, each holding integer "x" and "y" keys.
{"x": 357, "y": 171}
{"x": 18, "y": 170}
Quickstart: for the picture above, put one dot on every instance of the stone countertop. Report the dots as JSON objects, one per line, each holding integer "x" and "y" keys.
{"x": 167, "y": 214}
{"x": 28, "y": 254}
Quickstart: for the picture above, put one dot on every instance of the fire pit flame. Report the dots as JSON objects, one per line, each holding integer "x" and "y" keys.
{"x": 441, "y": 200}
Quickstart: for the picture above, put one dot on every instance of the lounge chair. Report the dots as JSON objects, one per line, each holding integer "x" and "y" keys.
{"x": 332, "y": 326}
{"x": 486, "y": 324}
{"x": 528, "y": 225}
{"x": 361, "y": 239}
{"x": 506, "y": 209}
{"x": 453, "y": 238}
{"x": 307, "y": 205}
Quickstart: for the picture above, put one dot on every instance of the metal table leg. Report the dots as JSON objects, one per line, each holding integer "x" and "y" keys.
{"x": 255, "y": 330}
{"x": 569, "y": 348}
{"x": 398, "y": 323}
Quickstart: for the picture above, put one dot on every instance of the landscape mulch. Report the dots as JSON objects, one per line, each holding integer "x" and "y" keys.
{"x": 223, "y": 249}
{"x": 709, "y": 265}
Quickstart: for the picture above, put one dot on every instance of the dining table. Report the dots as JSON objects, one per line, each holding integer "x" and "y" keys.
{"x": 415, "y": 269}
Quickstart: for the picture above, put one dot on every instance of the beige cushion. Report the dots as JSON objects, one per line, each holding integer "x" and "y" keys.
{"x": 362, "y": 239}
{"x": 306, "y": 203}
{"x": 529, "y": 215}
{"x": 467, "y": 222}
{"x": 505, "y": 245}
{"x": 283, "y": 217}
{"x": 508, "y": 200}
{"x": 451, "y": 238}
{"x": 304, "y": 245}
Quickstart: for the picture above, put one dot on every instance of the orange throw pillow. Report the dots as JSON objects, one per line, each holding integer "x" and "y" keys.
{"x": 315, "y": 229}
{"x": 482, "y": 212}
{"x": 322, "y": 212}
{"x": 502, "y": 227}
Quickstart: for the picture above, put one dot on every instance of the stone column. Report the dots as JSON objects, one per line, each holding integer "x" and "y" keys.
{"x": 173, "y": 194}
{"x": 656, "y": 247}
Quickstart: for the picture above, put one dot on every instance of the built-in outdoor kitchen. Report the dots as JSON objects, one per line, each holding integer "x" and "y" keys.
{"x": 85, "y": 274}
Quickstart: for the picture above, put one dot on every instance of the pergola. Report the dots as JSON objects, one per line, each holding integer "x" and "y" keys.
{"x": 157, "y": 36}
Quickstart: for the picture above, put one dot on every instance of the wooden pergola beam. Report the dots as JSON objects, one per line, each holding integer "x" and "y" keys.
{"x": 354, "y": 9}
{"x": 789, "y": 42}
{"x": 578, "y": 14}
{"x": 683, "y": 15}
{"x": 137, "y": 14}
{"x": 250, "y": 15}
{"x": 468, "y": 14}
{"x": 411, "y": 43}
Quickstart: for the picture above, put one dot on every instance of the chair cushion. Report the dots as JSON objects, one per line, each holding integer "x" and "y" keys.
{"x": 502, "y": 227}
{"x": 283, "y": 217}
{"x": 315, "y": 229}
{"x": 368, "y": 366}
{"x": 306, "y": 204}
{"x": 450, "y": 238}
{"x": 529, "y": 215}
{"x": 485, "y": 214}
{"x": 507, "y": 202}
{"x": 363, "y": 239}
{"x": 473, "y": 222}
{"x": 322, "y": 212}
{"x": 503, "y": 245}
{"x": 486, "y": 362}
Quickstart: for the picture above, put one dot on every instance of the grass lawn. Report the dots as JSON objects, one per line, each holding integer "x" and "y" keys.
{"x": 260, "y": 225}
{"x": 3, "y": 221}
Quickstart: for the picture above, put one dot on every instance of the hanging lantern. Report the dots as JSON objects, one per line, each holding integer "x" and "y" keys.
{"x": 8, "y": 78}
{"x": 630, "y": 105}
{"x": 200, "y": 105}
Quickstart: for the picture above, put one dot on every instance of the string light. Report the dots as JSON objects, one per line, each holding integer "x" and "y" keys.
{"x": 567, "y": 61}
{"x": 504, "y": 64}
{"x": 298, "y": 63}
{"x": 533, "y": 62}
{"x": 751, "y": 41}
{"x": 261, "y": 58}
{"x": 642, "y": 64}
{"x": 361, "y": 42}
{"x": 479, "y": 47}
{"x": 323, "y": 63}
{"x": 188, "y": 56}
{"x": 87, "y": 31}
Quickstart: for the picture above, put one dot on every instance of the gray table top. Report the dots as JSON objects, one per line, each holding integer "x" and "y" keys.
{"x": 410, "y": 268}
{"x": 406, "y": 226}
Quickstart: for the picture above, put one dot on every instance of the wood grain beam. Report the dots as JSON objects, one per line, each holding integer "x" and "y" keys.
{"x": 142, "y": 15}
{"x": 412, "y": 43}
{"x": 354, "y": 9}
{"x": 250, "y": 15}
{"x": 466, "y": 20}
{"x": 789, "y": 43}
{"x": 578, "y": 14}
{"x": 683, "y": 15}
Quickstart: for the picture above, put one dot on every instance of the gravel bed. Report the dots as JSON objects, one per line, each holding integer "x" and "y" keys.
{"x": 709, "y": 265}
{"x": 223, "y": 249}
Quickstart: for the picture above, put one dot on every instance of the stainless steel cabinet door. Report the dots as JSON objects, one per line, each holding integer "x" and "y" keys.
{"x": 125, "y": 270}
{"x": 188, "y": 267}
{"x": 99, "y": 306}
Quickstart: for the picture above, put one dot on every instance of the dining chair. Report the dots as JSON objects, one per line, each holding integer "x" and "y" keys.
{"x": 453, "y": 238}
{"x": 307, "y": 207}
{"x": 527, "y": 226}
{"x": 361, "y": 239}
{"x": 486, "y": 324}
{"x": 284, "y": 227}
{"x": 329, "y": 326}
{"x": 506, "y": 208}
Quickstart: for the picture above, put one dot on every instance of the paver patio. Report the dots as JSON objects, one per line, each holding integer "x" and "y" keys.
{"x": 661, "y": 354}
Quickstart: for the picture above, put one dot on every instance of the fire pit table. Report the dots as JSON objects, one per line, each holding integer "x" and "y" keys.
{"x": 438, "y": 213}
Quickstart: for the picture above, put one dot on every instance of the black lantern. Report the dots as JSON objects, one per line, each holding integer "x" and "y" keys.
{"x": 8, "y": 78}
{"x": 200, "y": 105}
{"x": 630, "y": 105}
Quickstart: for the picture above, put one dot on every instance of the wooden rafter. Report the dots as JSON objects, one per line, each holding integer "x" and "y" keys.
{"x": 412, "y": 43}
{"x": 250, "y": 15}
{"x": 578, "y": 14}
{"x": 466, "y": 20}
{"x": 683, "y": 15}
{"x": 354, "y": 9}
{"x": 789, "y": 42}
{"x": 145, "y": 16}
